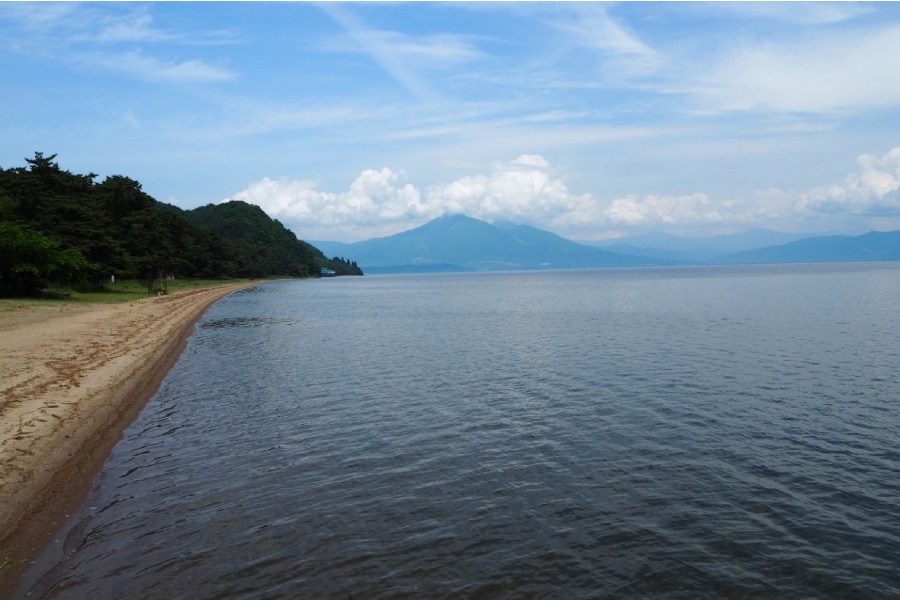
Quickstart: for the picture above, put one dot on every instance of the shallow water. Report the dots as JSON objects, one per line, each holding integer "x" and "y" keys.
{"x": 679, "y": 432}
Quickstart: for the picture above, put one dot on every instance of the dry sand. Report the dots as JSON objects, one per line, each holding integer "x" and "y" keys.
{"x": 72, "y": 377}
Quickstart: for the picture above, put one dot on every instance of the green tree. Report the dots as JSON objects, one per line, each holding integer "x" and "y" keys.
{"x": 118, "y": 229}
{"x": 28, "y": 260}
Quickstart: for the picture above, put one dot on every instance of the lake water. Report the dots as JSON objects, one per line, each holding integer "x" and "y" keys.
{"x": 678, "y": 432}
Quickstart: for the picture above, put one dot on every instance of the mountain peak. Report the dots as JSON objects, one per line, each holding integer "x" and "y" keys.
{"x": 456, "y": 239}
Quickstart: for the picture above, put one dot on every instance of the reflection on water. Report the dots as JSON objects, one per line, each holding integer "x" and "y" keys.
{"x": 708, "y": 432}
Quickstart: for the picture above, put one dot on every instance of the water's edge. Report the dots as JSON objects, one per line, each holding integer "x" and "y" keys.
{"x": 681, "y": 433}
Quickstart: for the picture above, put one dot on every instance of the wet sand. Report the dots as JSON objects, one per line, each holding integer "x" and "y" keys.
{"x": 72, "y": 377}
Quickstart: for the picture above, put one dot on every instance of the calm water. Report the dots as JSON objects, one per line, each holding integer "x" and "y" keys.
{"x": 696, "y": 432}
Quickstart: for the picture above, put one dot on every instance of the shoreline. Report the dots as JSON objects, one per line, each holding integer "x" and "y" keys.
{"x": 73, "y": 378}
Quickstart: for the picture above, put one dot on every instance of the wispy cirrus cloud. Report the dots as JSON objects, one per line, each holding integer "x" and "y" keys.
{"x": 404, "y": 57}
{"x": 137, "y": 65}
{"x": 802, "y": 13}
{"x": 139, "y": 27}
{"x": 834, "y": 71}
{"x": 63, "y": 24}
{"x": 42, "y": 16}
{"x": 131, "y": 28}
{"x": 82, "y": 35}
{"x": 591, "y": 27}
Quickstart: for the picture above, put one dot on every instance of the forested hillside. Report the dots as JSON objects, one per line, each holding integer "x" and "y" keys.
{"x": 61, "y": 227}
{"x": 266, "y": 245}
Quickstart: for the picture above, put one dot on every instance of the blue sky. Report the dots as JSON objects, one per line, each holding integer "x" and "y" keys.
{"x": 592, "y": 120}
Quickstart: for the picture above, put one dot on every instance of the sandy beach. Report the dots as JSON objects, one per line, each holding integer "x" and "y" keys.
{"x": 72, "y": 377}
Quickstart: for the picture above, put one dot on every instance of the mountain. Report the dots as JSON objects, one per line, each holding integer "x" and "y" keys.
{"x": 262, "y": 245}
{"x": 873, "y": 246}
{"x": 699, "y": 250}
{"x": 458, "y": 242}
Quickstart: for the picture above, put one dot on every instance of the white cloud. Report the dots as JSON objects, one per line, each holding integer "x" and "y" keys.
{"x": 92, "y": 37}
{"x": 530, "y": 190}
{"x": 381, "y": 201}
{"x": 862, "y": 200}
{"x": 405, "y": 58}
{"x": 804, "y": 13}
{"x": 874, "y": 188}
{"x": 133, "y": 28}
{"x": 833, "y": 72}
{"x": 591, "y": 27}
{"x": 294, "y": 200}
{"x": 138, "y": 27}
{"x": 381, "y": 196}
{"x": 393, "y": 46}
{"x": 692, "y": 208}
{"x": 139, "y": 66}
{"x": 525, "y": 189}
{"x": 531, "y": 160}
{"x": 376, "y": 202}
{"x": 42, "y": 16}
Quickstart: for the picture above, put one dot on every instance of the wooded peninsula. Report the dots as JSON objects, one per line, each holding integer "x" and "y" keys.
{"x": 58, "y": 228}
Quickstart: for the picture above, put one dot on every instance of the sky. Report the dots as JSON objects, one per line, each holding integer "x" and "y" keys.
{"x": 347, "y": 121}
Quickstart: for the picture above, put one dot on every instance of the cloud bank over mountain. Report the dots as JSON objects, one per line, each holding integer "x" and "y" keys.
{"x": 529, "y": 189}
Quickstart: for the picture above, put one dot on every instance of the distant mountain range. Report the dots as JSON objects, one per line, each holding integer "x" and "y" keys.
{"x": 873, "y": 246}
{"x": 699, "y": 250}
{"x": 461, "y": 243}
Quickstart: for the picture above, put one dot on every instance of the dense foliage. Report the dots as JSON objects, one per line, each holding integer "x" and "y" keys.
{"x": 263, "y": 246}
{"x": 29, "y": 260}
{"x": 342, "y": 266}
{"x": 56, "y": 226}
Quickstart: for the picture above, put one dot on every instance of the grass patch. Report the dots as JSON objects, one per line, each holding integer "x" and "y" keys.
{"x": 128, "y": 290}
{"x": 120, "y": 292}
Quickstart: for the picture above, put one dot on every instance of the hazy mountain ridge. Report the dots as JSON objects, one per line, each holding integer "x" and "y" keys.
{"x": 461, "y": 243}
{"x": 699, "y": 250}
{"x": 465, "y": 243}
{"x": 872, "y": 246}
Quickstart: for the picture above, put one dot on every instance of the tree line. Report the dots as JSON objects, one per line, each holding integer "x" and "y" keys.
{"x": 58, "y": 227}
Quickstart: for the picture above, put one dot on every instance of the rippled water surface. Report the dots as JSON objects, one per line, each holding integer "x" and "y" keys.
{"x": 696, "y": 432}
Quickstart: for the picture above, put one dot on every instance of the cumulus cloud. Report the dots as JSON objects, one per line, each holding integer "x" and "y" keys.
{"x": 870, "y": 190}
{"x": 526, "y": 189}
{"x": 692, "y": 208}
{"x": 529, "y": 189}
{"x": 379, "y": 202}
{"x": 294, "y": 200}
